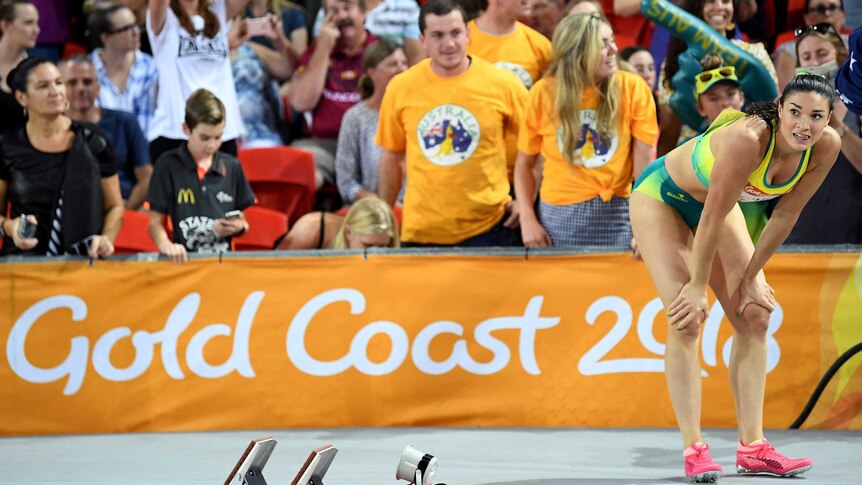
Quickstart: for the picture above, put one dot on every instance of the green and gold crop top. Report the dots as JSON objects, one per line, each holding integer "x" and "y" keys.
{"x": 756, "y": 188}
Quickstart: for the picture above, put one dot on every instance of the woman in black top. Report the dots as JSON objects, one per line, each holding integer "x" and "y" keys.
{"x": 19, "y": 28}
{"x": 61, "y": 175}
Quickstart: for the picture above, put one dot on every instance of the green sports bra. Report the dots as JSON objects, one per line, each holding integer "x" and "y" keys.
{"x": 756, "y": 188}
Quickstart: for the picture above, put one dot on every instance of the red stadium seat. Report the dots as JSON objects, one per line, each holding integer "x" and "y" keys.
{"x": 282, "y": 179}
{"x": 133, "y": 236}
{"x": 264, "y": 227}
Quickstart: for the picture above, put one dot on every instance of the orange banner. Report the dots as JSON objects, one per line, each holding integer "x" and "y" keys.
{"x": 394, "y": 340}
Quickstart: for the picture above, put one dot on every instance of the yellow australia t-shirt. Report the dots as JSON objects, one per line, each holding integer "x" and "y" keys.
{"x": 605, "y": 166}
{"x": 453, "y": 130}
{"x": 525, "y": 52}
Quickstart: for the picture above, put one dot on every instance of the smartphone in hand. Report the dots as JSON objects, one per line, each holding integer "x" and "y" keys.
{"x": 258, "y": 26}
{"x": 232, "y": 214}
{"x": 26, "y": 229}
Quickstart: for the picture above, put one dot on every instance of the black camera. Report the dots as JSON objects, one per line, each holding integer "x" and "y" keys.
{"x": 26, "y": 229}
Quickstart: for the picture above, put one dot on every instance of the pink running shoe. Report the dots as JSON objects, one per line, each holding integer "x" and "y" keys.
{"x": 699, "y": 467}
{"x": 762, "y": 459}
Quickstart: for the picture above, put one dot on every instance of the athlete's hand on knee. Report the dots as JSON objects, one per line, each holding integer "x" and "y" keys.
{"x": 689, "y": 307}
{"x": 758, "y": 292}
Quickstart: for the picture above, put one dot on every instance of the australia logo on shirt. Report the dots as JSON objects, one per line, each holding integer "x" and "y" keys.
{"x": 448, "y": 135}
{"x": 591, "y": 150}
{"x": 523, "y": 75}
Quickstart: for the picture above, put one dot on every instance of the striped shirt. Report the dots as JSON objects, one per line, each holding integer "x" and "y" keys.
{"x": 395, "y": 20}
{"x": 139, "y": 97}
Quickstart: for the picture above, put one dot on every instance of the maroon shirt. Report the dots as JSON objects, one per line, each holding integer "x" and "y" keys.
{"x": 340, "y": 91}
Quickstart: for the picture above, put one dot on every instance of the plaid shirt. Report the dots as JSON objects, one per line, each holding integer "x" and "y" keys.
{"x": 139, "y": 97}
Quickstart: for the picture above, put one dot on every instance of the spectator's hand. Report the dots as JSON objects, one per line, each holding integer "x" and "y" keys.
{"x": 635, "y": 251}
{"x": 100, "y": 247}
{"x": 513, "y": 215}
{"x": 238, "y": 34}
{"x": 22, "y": 244}
{"x": 329, "y": 32}
{"x": 175, "y": 251}
{"x": 533, "y": 234}
{"x": 275, "y": 33}
{"x": 228, "y": 227}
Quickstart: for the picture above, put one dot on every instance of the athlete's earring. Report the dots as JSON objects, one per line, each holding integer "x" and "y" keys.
{"x": 68, "y": 105}
{"x": 25, "y": 112}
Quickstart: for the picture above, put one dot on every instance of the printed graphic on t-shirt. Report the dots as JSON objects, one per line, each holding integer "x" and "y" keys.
{"x": 591, "y": 151}
{"x": 202, "y": 46}
{"x": 200, "y": 237}
{"x": 448, "y": 135}
{"x": 519, "y": 71}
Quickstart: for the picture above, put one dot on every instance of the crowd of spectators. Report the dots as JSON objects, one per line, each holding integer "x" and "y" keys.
{"x": 483, "y": 123}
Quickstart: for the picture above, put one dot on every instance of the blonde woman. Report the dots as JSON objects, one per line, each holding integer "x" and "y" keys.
{"x": 595, "y": 128}
{"x": 370, "y": 222}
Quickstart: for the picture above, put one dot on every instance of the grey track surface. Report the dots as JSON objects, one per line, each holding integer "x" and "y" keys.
{"x": 476, "y": 456}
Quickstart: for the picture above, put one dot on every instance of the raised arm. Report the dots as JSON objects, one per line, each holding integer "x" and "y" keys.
{"x": 627, "y": 8}
{"x": 307, "y": 87}
{"x": 234, "y": 7}
{"x": 158, "y": 14}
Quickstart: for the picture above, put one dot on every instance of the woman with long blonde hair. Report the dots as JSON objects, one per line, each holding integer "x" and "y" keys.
{"x": 595, "y": 128}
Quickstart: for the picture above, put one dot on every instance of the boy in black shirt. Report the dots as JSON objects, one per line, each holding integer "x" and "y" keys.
{"x": 202, "y": 189}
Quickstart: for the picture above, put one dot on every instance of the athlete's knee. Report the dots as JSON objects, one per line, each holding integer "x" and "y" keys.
{"x": 754, "y": 321}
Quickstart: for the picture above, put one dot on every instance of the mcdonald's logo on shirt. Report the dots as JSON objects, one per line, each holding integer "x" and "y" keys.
{"x": 186, "y": 196}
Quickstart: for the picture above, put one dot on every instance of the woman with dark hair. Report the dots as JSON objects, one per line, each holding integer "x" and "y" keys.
{"x": 59, "y": 174}
{"x": 720, "y": 16}
{"x": 357, "y": 157}
{"x": 834, "y": 214}
{"x": 640, "y": 58}
{"x": 19, "y": 29}
{"x": 128, "y": 77}
{"x": 691, "y": 233}
{"x": 190, "y": 45}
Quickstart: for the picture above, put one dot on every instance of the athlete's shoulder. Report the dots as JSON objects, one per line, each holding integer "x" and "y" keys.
{"x": 827, "y": 148}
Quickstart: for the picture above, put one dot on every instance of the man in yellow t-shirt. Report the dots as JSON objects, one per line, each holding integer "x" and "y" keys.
{"x": 446, "y": 119}
{"x": 498, "y": 37}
